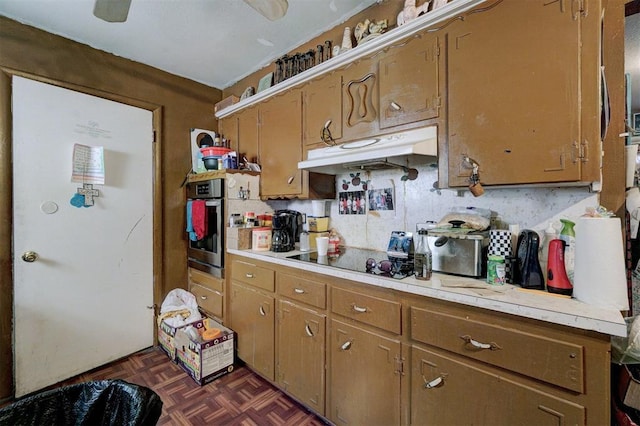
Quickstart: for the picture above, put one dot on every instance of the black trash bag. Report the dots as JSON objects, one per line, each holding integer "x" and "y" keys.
{"x": 104, "y": 402}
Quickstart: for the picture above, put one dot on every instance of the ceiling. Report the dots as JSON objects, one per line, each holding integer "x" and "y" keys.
{"x": 214, "y": 42}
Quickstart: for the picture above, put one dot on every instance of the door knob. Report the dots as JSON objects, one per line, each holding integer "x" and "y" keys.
{"x": 29, "y": 256}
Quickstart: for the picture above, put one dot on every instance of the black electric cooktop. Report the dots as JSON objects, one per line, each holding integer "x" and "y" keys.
{"x": 362, "y": 260}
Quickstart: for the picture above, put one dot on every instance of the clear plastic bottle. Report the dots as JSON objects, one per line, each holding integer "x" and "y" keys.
{"x": 568, "y": 235}
{"x": 422, "y": 258}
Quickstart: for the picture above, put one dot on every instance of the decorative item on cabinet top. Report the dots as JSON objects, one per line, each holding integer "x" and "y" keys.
{"x": 388, "y": 39}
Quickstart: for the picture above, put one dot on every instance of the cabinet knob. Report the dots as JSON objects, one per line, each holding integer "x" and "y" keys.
{"x": 437, "y": 382}
{"x": 477, "y": 345}
{"x": 248, "y": 275}
{"x": 394, "y": 106}
{"x": 290, "y": 179}
{"x": 346, "y": 346}
{"x": 358, "y": 309}
{"x": 307, "y": 330}
{"x": 262, "y": 311}
{"x": 298, "y": 291}
{"x": 203, "y": 297}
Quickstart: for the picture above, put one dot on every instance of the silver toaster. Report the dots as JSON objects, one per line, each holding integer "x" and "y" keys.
{"x": 459, "y": 252}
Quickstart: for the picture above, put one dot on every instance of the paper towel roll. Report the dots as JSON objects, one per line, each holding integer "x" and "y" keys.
{"x": 600, "y": 277}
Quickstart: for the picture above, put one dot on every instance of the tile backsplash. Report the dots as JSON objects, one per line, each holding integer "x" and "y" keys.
{"x": 416, "y": 201}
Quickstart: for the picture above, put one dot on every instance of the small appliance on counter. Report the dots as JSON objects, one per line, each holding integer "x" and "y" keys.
{"x": 459, "y": 251}
{"x": 527, "y": 271}
{"x": 286, "y": 228}
{"x": 400, "y": 252}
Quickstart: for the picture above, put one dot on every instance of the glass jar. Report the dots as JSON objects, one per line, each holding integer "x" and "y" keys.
{"x": 422, "y": 257}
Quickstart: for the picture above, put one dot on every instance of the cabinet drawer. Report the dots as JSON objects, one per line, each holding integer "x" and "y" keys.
{"x": 442, "y": 379}
{"x": 312, "y": 292}
{"x": 209, "y": 300}
{"x": 550, "y": 360}
{"x": 381, "y": 313}
{"x": 206, "y": 280}
{"x": 254, "y": 275}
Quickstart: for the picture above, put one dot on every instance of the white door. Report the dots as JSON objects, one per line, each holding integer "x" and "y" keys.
{"x": 84, "y": 300}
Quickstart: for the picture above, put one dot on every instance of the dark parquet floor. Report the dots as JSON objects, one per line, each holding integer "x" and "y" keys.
{"x": 238, "y": 398}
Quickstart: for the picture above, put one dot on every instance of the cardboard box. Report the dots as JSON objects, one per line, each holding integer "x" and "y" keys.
{"x": 166, "y": 337}
{"x": 318, "y": 224}
{"x": 206, "y": 360}
{"x": 226, "y": 102}
{"x": 629, "y": 385}
{"x": 239, "y": 238}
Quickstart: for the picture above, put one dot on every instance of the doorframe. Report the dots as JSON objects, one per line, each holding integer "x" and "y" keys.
{"x": 6, "y": 208}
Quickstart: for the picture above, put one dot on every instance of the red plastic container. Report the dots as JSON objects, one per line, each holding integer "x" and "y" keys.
{"x": 214, "y": 151}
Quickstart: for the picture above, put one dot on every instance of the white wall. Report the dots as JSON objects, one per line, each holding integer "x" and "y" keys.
{"x": 416, "y": 201}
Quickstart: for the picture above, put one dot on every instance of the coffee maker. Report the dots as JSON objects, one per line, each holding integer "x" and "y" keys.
{"x": 286, "y": 228}
{"x": 527, "y": 271}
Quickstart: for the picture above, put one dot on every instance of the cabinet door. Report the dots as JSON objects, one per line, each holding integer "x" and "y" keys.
{"x": 409, "y": 82}
{"x": 441, "y": 381}
{"x": 252, "y": 315}
{"x": 360, "y": 100}
{"x": 248, "y": 134}
{"x": 301, "y": 349}
{"x": 322, "y": 104}
{"x": 228, "y": 127}
{"x": 514, "y": 94}
{"x": 365, "y": 377}
{"x": 281, "y": 146}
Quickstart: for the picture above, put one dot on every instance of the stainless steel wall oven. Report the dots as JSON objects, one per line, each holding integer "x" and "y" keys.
{"x": 205, "y": 212}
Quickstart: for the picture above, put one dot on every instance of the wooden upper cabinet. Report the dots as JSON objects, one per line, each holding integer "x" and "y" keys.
{"x": 322, "y": 105}
{"x": 409, "y": 82}
{"x": 519, "y": 90}
{"x": 360, "y": 100}
{"x": 241, "y": 130}
{"x": 281, "y": 146}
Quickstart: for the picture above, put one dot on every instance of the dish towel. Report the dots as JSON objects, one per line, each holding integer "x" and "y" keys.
{"x": 190, "y": 231}
{"x": 198, "y": 215}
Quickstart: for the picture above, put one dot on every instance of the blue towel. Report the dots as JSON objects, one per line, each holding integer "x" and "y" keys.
{"x": 190, "y": 231}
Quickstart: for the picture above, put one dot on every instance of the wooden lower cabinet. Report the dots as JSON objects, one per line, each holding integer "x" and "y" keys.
{"x": 253, "y": 315}
{"x": 209, "y": 293}
{"x": 361, "y": 355}
{"x": 301, "y": 354}
{"x": 447, "y": 389}
{"x": 365, "y": 376}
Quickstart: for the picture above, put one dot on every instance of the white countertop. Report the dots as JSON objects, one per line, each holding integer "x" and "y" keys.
{"x": 508, "y": 298}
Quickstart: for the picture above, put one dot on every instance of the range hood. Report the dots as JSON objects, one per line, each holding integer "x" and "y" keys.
{"x": 396, "y": 150}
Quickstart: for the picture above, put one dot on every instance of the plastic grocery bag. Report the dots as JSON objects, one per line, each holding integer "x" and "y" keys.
{"x": 179, "y": 308}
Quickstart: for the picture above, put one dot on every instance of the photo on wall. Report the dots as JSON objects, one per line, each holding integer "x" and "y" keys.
{"x": 381, "y": 199}
{"x": 352, "y": 202}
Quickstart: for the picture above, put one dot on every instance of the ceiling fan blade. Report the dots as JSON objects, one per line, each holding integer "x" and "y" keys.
{"x": 270, "y": 9}
{"x": 112, "y": 10}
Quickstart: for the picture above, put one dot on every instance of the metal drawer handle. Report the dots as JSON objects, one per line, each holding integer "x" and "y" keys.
{"x": 358, "y": 309}
{"x": 262, "y": 311}
{"x": 290, "y": 179}
{"x": 395, "y": 106}
{"x": 203, "y": 297}
{"x": 492, "y": 346}
{"x": 248, "y": 275}
{"x": 298, "y": 290}
{"x": 437, "y": 382}
{"x": 307, "y": 329}
{"x": 346, "y": 346}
